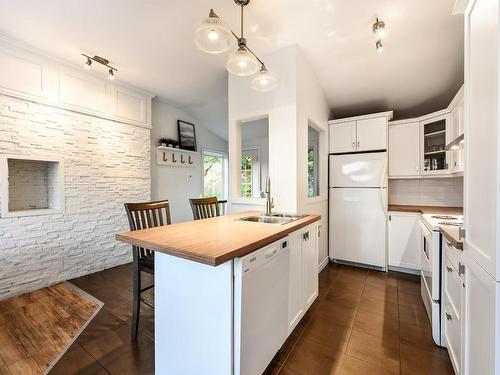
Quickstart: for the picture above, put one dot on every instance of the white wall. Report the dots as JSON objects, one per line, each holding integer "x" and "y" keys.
{"x": 106, "y": 163}
{"x": 312, "y": 109}
{"x": 178, "y": 184}
{"x": 447, "y": 192}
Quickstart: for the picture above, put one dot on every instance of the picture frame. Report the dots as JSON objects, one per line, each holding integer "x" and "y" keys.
{"x": 187, "y": 135}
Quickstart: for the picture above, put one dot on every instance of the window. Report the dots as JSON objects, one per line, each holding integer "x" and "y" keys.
{"x": 250, "y": 173}
{"x": 312, "y": 162}
{"x": 214, "y": 174}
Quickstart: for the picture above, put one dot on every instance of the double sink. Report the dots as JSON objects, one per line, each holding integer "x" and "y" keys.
{"x": 276, "y": 218}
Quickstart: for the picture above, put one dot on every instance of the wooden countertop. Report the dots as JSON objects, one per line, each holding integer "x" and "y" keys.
{"x": 427, "y": 209}
{"x": 449, "y": 231}
{"x": 213, "y": 241}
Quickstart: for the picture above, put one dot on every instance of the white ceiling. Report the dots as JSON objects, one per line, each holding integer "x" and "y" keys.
{"x": 150, "y": 42}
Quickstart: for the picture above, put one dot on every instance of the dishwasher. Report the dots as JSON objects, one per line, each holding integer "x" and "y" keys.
{"x": 260, "y": 307}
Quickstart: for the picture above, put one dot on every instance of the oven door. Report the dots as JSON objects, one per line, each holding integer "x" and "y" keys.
{"x": 428, "y": 262}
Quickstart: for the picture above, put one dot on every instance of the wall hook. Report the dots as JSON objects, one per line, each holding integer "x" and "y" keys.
{"x": 189, "y": 160}
{"x": 182, "y": 159}
{"x": 164, "y": 157}
{"x": 173, "y": 158}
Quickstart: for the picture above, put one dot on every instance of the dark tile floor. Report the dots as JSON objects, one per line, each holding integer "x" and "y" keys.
{"x": 363, "y": 322}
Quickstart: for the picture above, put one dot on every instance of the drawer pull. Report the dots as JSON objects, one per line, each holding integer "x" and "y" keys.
{"x": 448, "y": 244}
{"x": 449, "y": 269}
{"x": 448, "y": 316}
{"x": 461, "y": 269}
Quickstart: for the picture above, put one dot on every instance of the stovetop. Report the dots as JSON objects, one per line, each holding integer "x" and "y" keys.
{"x": 434, "y": 221}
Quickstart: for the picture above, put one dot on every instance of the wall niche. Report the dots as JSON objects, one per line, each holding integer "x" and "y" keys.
{"x": 31, "y": 186}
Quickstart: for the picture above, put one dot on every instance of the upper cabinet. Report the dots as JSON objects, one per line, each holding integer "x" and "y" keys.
{"x": 358, "y": 134}
{"x": 434, "y": 138}
{"x": 27, "y": 75}
{"x": 418, "y": 147}
{"x": 404, "y": 154}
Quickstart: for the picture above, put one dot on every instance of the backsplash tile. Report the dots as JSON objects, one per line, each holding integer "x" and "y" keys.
{"x": 447, "y": 192}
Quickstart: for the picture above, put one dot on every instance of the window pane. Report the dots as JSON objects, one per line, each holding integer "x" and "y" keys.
{"x": 246, "y": 176}
{"x": 312, "y": 162}
{"x": 213, "y": 177}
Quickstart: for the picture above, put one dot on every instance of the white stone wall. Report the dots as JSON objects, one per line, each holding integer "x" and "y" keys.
{"x": 28, "y": 185}
{"x": 106, "y": 163}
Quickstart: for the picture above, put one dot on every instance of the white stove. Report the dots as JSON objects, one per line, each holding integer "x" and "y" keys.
{"x": 431, "y": 274}
{"x": 434, "y": 221}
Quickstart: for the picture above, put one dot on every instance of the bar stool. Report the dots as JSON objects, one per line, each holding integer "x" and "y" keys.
{"x": 204, "y": 208}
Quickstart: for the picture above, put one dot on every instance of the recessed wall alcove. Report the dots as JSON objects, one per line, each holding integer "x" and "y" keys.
{"x": 31, "y": 186}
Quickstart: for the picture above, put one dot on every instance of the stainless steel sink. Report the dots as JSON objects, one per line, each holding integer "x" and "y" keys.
{"x": 277, "y": 218}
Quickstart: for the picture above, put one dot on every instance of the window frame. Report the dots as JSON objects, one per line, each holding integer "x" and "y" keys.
{"x": 225, "y": 170}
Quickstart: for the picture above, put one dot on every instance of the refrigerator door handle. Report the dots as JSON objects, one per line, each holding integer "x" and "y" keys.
{"x": 383, "y": 202}
{"x": 383, "y": 175}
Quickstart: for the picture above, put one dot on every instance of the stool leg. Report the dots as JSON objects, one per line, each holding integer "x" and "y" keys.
{"x": 136, "y": 304}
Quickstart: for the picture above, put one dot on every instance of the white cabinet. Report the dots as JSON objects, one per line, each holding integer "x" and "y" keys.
{"x": 404, "y": 240}
{"x": 358, "y": 134}
{"x": 343, "y": 137}
{"x": 453, "y": 304}
{"x": 371, "y": 134}
{"x": 434, "y": 136}
{"x": 310, "y": 263}
{"x": 303, "y": 273}
{"x": 481, "y": 321}
{"x": 457, "y": 129}
{"x": 404, "y": 155}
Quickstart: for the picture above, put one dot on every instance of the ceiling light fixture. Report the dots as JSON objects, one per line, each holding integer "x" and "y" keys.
{"x": 102, "y": 61}
{"x": 379, "y": 32}
{"x": 213, "y": 36}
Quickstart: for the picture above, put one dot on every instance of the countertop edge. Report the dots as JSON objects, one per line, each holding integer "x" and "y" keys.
{"x": 217, "y": 260}
{"x": 447, "y": 233}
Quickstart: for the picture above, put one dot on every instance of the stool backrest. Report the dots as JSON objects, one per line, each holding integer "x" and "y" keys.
{"x": 147, "y": 215}
{"x": 204, "y": 208}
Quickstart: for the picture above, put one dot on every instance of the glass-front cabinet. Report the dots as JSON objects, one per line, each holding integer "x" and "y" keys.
{"x": 435, "y": 135}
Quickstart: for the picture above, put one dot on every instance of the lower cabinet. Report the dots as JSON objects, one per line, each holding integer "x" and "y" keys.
{"x": 303, "y": 277}
{"x": 481, "y": 321}
{"x": 453, "y": 304}
{"x": 404, "y": 240}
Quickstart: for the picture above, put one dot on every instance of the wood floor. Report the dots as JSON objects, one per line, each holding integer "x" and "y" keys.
{"x": 36, "y": 328}
{"x": 363, "y": 322}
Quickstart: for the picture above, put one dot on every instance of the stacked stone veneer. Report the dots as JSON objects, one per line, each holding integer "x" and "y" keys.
{"x": 106, "y": 163}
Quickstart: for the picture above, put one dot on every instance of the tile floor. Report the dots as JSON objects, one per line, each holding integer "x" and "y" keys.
{"x": 363, "y": 322}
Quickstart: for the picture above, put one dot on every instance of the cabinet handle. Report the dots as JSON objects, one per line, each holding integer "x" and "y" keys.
{"x": 353, "y": 144}
{"x": 448, "y": 244}
{"x": 448, "y": 316}
{"x": 305, "y": 236}
{"x": 449, "y": 269}
{"x": 358, "y": 143}
{"x": 461, "y": 269}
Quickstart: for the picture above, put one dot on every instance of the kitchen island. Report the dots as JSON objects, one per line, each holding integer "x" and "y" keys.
{"x": 208, "y": 311}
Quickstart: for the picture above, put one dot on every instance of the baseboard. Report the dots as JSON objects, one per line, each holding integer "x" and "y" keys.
{"x": 404, "y": 270}
{"x": 323, "y": 264}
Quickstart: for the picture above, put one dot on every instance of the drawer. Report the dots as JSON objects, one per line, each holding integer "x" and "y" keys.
{"x": 453, "y": 287}
{"x": 452, "y": 253}
{"x": 453, "y": 337}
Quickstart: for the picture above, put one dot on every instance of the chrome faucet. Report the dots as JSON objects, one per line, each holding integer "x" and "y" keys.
{"x": 269, "y": 200}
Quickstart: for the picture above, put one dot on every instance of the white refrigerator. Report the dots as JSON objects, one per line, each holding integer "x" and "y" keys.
{"x": 358, "y": 209}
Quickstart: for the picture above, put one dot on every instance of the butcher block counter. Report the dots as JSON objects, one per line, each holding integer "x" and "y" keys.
{"x": 213, "y": 241}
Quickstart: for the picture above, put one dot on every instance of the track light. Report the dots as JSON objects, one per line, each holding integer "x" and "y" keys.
{"x": 88, "y": 63}
{"x": 102, "y": 61}
{"x": 379, "y": 29}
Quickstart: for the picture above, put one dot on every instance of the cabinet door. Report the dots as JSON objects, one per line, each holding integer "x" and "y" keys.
{"x": 404, "y": 240}
{"x": 371, "y": 134}
{"x": 310, "y": 264}
{"x": 481, "y": 322}
{"x": 343, "y": 137}
{"x": 481, "y": 184}
{"x": 434, "y": 138}
{"x": 404, "y": 157}
{"x": 295, "y": 291}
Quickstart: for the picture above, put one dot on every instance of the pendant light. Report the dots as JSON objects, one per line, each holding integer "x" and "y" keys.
{"x": 264, "y": 81}
{"x": 213, "y": 36}
{"x": 242, "y": 62}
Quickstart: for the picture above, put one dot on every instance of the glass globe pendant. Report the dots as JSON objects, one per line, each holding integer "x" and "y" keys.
{"x": 264, "y": 81}
{"x": 213, "y": 36}
{"x": 242, "y": 62}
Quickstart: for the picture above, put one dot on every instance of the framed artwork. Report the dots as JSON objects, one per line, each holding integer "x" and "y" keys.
{"x": 187, "y": 135}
